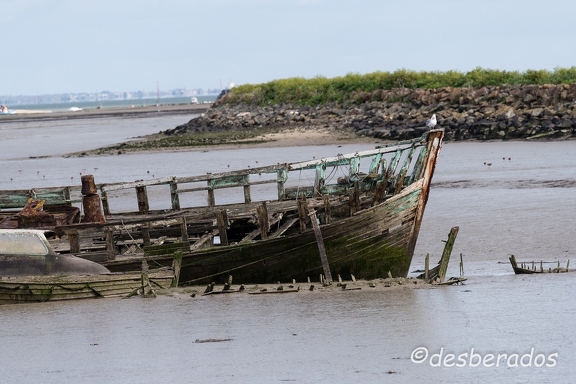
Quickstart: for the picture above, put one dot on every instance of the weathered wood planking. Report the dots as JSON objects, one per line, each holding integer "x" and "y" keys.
{"x": 51, "y": 196}
{"x": 55, "y": 288}
{"x": 368, "y": 218}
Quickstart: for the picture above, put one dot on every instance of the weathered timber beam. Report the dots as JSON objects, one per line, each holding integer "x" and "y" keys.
{"x": 222, "y": 220}
{"x": 203, "y": 240}
{"x": 283, "y": 228}
{"x": 302, "y": 213}
{"x": 321, "y": 248}
{"x": 258, "y": 231}
{"x": 142, "y": 197}
{"x": 184, "y": 229}
{"x": 135, "y": 184}
{"x": 263, "y": 221}
{"x": 446, "y": 254}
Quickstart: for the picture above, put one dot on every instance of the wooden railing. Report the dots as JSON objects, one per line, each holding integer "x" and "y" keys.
{"x": 386, "y": 172}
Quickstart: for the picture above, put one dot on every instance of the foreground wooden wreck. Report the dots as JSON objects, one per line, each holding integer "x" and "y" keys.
{"x": 356, "y": 213}
{"x": 528, "y": 268}
{"x": 30, "y": 271}
{"x": 73, "y": 287}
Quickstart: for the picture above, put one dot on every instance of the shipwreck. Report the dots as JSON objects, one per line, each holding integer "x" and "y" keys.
{"x": 352, "y": 214}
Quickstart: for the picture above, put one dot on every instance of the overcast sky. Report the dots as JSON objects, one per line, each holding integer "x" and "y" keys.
{"x": 59, "y": 46}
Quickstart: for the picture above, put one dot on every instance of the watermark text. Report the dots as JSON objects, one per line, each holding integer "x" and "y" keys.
{"x": 473, "y": 358}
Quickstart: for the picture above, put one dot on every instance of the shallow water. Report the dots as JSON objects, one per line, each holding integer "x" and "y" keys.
{"x": 520, "y": 206}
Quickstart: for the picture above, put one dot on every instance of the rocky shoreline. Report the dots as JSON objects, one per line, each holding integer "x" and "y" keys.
{"x": 489, "y": 113}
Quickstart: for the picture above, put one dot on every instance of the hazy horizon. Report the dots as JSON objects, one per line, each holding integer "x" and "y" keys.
{"x": 67, "y": 46}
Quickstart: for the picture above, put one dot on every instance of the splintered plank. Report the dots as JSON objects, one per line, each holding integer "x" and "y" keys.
{"x": 283, "y": 228}
{"x": 203, "y": 240}
{"x": 252, "y": 235}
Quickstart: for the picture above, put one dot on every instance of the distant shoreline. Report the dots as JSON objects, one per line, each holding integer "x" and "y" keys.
{"x": 136, "y": 111}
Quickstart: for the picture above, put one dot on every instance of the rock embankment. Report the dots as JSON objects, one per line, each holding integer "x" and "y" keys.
{"x": 487, "y": 113}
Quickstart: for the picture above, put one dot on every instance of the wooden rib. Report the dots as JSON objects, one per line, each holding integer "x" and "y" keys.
{"x": 201, "y": 241}
{"x": 283, "y": 228}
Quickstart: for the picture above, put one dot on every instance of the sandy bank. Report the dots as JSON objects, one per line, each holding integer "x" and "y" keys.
{"x": 281, "y": 138}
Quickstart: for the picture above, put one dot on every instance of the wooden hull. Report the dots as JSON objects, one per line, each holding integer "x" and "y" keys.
{"x": 350, "y": 214}
{"x": 537, "y": 267}
{"x": 55, "y": 288}
{"x": 368, "y": 245}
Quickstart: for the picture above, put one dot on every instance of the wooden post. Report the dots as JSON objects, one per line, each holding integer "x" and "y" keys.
{"x": 321, "y": 249}
{"x": 320, "y": 180}
{"x": 247, "y": 195}
{"x": 174, "y": 197}
{"x": 211, "y": 197}
{"x": 302, "y": 213}
{"x": 110, "y": 249}
{"x": 379, "y": 192}
{"x": 281, "y": 178}
{"x": 354, "y": 199}
{"x": 184, "y": 230}
{"x": 146, "y": 286}
{"x": 461, "y": 265}
{"x": 104, "y": 199}
{"x": 67, "y": 196}
{"x": 400, "y": 182}
{"x": 327, "y": 214}
{"x": 352, "y": 202}
{"x": 357, "y": 195}
{"x": 74, "y": 240}
{"x": 263, "y": 222}
{"x": 176, "y": 265}
{"x": 446, "y": 254}
{"x": 146, "y": 233}
{"x": 142, "y": 197}
{"x": 228, "y": 284}
{"x": 427, "y": 267}
{"x": 222, "y": 221}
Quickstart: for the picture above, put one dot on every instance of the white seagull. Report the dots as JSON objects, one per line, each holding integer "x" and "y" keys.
{"x": 431, "y": 122}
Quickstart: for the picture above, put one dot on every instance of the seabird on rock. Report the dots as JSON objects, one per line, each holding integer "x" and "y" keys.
{"x": 431, "y": 122}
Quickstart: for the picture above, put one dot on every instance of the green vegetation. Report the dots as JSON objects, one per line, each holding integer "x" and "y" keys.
{"x": 320, "y": 90}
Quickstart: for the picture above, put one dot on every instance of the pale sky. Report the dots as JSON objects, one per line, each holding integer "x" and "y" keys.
{"x": 59, "y": 46}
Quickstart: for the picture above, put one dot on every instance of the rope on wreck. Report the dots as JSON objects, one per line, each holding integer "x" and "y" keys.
{"x": 130, "y": 235}
{"x": 148, "y": 259}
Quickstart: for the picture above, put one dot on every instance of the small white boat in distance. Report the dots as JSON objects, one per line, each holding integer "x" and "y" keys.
{"x": 5, "y": 111}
